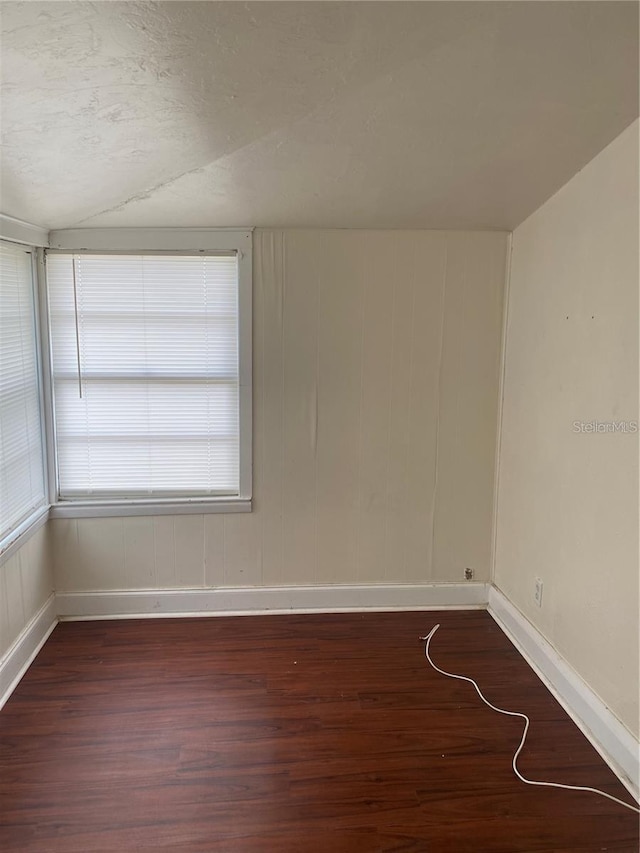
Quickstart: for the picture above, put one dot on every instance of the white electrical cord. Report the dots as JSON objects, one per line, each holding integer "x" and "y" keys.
{"x": 427, "y": 640}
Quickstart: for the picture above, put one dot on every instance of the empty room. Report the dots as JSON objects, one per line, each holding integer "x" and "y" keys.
{"x": 319, "y": 510}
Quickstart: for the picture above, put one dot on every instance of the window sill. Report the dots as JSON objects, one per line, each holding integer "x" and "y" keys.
{"x": 105, "y": 509}
{"x": 13, "y": 541}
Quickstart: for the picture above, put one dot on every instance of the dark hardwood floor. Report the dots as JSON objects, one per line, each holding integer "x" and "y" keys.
{"x": 275, "y": 734}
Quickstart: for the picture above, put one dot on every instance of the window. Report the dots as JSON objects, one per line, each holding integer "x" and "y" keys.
{"x": 22, "y": 485}
{"x": 150, "y": 393}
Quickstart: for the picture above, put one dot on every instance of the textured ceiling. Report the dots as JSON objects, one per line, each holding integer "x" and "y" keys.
{"x": 384, "y": 114}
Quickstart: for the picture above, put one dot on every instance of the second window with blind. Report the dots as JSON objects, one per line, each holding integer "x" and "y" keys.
{"x": 149, "y": 396}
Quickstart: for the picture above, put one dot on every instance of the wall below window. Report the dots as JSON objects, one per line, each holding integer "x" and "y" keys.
{"x": 26, "y": 584}
{"x": 376, "y": 380}
{"x": 568, "y": 497}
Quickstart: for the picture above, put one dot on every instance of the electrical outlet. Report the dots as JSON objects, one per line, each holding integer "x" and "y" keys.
{"x": 537, "y": 594}
{"x": 468, "y": 574}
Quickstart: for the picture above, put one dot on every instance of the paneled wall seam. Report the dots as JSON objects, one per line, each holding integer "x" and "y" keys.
{"x": 434, "y": 500}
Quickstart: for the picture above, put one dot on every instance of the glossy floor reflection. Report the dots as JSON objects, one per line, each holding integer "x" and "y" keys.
{"x": 293, "y": 733}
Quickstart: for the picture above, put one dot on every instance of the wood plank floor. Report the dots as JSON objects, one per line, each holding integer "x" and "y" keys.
{"x": 276, "y": 734}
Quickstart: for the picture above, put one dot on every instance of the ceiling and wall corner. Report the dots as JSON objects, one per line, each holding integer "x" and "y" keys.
{"x": 307, "y": 114}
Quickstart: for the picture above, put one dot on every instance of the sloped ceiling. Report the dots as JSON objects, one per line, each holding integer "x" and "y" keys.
{"x": 329, "y": 114}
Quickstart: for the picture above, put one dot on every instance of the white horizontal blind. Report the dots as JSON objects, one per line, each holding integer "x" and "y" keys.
{"x": 21, "y": 455}
{"x": 145, "y": 374}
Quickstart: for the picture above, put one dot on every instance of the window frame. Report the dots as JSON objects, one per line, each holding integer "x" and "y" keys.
{"x": 174, "y": 241}
{"x": 26, "y": 526}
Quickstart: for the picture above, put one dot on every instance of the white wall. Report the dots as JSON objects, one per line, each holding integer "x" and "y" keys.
{"x": 26, "y": 582}
{"x": 568, "y": 501}
{"x": 376, "y": 363}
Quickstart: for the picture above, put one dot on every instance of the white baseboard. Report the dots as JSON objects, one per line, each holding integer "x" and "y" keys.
{"x": 15, "y": 662}
{"x": 606, "y": 733}
{"x": 276, "y": 600}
